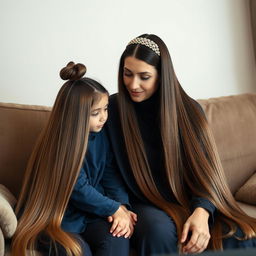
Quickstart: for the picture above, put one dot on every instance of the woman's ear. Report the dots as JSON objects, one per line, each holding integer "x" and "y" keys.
{"x": 159, "y": 80}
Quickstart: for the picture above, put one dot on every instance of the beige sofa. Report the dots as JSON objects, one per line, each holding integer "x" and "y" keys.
{"x": 232, "y": 119}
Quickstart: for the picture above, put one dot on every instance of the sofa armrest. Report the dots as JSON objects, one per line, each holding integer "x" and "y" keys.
{"x": 8, "y": 220}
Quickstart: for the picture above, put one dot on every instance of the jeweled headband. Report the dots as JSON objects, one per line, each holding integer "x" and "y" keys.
{"x": 147, "y": 42}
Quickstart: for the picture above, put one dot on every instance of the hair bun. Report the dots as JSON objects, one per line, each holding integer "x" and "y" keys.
{"x": 73, "y": 71}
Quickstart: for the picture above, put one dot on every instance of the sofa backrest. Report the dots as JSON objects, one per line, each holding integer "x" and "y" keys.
{"x": 20, "y": 125}
{"x": 232, "y": 119}
{"x": 233, "y": 122}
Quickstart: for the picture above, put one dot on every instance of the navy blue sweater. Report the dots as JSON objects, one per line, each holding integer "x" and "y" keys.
{"x": 99, "y": 189}
{"x": 147, "y": 113}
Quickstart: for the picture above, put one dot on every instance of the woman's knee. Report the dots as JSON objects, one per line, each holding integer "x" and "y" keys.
{"x": 154, "y": 225}
{"x": 156, "y": 232}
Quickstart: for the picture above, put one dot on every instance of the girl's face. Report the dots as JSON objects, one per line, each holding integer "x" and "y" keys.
{"x": 99, "y": 114}
{"x": 140, "y": 79}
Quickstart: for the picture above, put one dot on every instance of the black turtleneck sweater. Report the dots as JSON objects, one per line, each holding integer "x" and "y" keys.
{"x": 148, "y": 117}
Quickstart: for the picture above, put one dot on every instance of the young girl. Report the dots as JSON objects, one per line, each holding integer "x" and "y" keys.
{"x": 71, "y": 194}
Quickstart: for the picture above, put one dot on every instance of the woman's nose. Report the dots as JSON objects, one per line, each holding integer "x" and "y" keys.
{"x": 134, "y": 83}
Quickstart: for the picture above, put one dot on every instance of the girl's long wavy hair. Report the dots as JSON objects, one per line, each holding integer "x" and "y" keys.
{"x": 55, "y": 164}
{"x": 192, "y": 164}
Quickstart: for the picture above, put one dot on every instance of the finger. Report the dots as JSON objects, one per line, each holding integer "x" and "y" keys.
{"x": 205, "y": 244}
{"x": 131, "y": 226}
{"x": 117, "y": 230}
{"x": 114, "y": 225}
{"x": 198, "y": 246}
{"x": 122, "y": 232}
{"x": 110, "y": 219}
{"x": 131, "y": 230}
{"x": 134, "y": 216}
{"x": 128, "y": 233}
{"x": 132, "y": 222}
{"x": 191, "y": 242}
{"x": 131, "y": 233}
{"x": 184, "y": 233}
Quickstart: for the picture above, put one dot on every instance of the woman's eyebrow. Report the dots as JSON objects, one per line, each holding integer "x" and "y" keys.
{"x": 142, "y": 73}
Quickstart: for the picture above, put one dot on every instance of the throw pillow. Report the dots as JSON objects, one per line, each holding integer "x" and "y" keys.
{"x": 247, "y": 193}
{"x": 8, "y": 220}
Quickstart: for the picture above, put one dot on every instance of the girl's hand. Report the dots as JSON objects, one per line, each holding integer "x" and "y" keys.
{"x": 133, "y": 218}
{"x": 121, "y": 223}
{"x": 197, "y": 224}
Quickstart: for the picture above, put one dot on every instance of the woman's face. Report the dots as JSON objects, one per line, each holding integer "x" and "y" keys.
{"x": 140, "y": 79}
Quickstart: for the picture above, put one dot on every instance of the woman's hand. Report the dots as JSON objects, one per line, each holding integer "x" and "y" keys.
{"x": 197, "y": 224}
{"x": 122, "y": 222}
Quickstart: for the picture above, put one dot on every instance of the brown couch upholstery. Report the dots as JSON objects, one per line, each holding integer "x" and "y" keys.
{"x": 232, "y": 119}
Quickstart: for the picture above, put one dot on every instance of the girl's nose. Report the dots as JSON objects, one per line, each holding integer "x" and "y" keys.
{"x": 103, "y": 117}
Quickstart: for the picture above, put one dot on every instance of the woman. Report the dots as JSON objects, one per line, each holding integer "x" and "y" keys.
{"x": 167, "y": 156}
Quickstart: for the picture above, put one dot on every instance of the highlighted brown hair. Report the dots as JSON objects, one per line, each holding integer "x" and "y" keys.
{"x": 55, "y": 163}
{"x": 192, "y": 164}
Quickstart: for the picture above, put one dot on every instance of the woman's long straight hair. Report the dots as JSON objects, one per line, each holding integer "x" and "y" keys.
{"x": 54, "y": 166}
{"x": 191, "y": 160}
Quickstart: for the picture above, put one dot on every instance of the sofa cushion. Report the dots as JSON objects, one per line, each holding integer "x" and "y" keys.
{"x": 20, "y": 126}
{"x": 247, "y": 193}
{"x": 248, "y": 209}
{"x": 233, "y": 123}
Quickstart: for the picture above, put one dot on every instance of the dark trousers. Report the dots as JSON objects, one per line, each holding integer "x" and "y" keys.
{"x": 155, "y": 233}
{"x": 96, "y": 241}
{"x": 101, "y": 241}
{"x": 47, "y": 248}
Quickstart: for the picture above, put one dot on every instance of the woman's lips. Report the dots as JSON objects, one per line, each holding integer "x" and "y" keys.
{"x": 136, "y": 94}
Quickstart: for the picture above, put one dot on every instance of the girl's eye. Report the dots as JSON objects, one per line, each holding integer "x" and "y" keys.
{"x": 106, "y": 109}
{"x": 94, "y": 113}
{"x": 145, "y": 77}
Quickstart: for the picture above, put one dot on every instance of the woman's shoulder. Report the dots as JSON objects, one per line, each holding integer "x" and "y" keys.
{"x": 197, "y": 105}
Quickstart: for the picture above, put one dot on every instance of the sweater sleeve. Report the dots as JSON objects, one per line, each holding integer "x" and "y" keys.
{"x": 206, "y": 204}
{"x": 86, "y": 198}
{"x": 112, "y": 181}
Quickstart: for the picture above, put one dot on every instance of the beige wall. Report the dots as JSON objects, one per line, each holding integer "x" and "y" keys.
{"x": 210, "y": 42}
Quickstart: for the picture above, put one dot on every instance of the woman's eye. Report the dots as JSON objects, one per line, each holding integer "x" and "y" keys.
{"x": 127, "y": 74}
{"x": 106, "y": 109}
{"x": 145, "y": 77}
